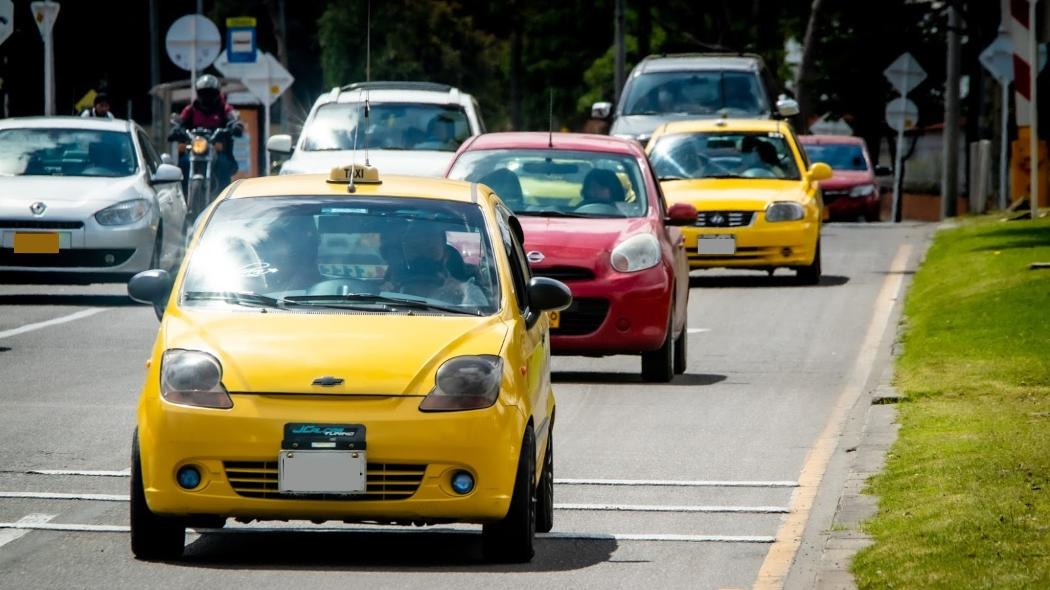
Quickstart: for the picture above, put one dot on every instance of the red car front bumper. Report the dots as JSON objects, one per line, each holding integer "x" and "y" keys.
{"x": 854, "y": 207}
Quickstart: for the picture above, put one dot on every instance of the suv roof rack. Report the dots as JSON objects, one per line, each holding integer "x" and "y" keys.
{"x": 432, "y": 86}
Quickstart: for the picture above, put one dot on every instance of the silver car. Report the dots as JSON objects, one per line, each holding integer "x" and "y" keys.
{"x": 86, "y": 200}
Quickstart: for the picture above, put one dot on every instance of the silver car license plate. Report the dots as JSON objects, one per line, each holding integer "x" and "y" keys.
{"x": 716, "y": 245}
{"x": 322, "y": 472}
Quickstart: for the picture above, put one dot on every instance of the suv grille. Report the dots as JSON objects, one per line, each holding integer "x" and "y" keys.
{"x": 724, "y": 218}
{"x": 386, "y": 481}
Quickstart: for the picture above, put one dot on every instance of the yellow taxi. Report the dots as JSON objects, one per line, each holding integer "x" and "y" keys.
{"x": 348, "y": 347}
{"x": 757, "y": 196}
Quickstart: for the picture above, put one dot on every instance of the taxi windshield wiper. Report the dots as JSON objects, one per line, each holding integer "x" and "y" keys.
{"x": 237, "y": 298}
{"x": 551, "y": 213}
{"x": 385, "y": 300}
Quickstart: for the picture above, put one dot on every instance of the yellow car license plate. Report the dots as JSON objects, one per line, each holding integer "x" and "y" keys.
{"x": 36, "y": 243}
{"x": 555, "y": 318}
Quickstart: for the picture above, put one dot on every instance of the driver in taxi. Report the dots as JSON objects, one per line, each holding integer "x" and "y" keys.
{"x": 427, "y": 266}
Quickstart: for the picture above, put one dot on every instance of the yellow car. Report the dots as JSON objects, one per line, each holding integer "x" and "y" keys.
{"x": 757, "y": 197}
{"x": 367, "y": 351}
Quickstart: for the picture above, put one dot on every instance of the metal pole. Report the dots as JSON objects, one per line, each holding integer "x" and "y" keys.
{"x": 1033, "y": 137}
{"x": 1004, "y": 143}
{"x": 49, "y": 76}
{"x": 950, "y": 178}
{"x": 899, "y": 156}
{"x": 618, "y": 32}
{"x": 266, "y": 133}
{"x": 157, "y": 124}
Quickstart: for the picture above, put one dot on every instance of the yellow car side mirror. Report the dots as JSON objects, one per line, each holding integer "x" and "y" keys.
{"x": 819, "y": 171}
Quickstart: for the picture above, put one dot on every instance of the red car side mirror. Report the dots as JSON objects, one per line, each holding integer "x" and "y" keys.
{"x": 681, "y": 214}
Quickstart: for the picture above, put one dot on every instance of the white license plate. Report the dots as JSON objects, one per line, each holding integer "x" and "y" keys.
{"x": 322, "y": 472}
{"x": 716, "y": 245}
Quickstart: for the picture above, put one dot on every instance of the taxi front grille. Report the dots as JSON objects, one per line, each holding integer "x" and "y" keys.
{"x": 724, "y": 218}
{"x": 386, "y": 481}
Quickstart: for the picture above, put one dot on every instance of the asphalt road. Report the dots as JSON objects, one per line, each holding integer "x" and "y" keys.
{"x": 714, "y": 458}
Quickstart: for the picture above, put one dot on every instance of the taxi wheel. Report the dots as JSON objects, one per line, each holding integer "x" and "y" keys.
{"x": 510, "y": 539}
{"x": 810, "y": 275}
{"x": 658, "y": 366}
{"x": 153, "y": 538}
{"x": 545, "y": 499}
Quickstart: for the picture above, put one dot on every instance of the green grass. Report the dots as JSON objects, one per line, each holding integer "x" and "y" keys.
{"x": 964, "y": 500}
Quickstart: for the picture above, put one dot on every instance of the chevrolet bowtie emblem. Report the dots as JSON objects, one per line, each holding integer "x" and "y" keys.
{"x": 328, "y": 381}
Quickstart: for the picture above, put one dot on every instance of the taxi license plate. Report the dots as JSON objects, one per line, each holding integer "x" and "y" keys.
{"x": 716, "y": 245}
{"x": 36, "y": 243}
{"x": 555, "y": 317}
{"x": 322, "y": 472}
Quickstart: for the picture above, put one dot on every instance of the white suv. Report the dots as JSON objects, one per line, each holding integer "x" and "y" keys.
{"x": 413, "y": 128}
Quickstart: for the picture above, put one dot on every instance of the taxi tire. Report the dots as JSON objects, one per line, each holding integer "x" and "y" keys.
{"x": 511, "y": 539}
{"x": 545, "y": 493}
{"x": 153, "y": 537}
{"x": 810, "y": 275}
{"x": 658, "y": 366}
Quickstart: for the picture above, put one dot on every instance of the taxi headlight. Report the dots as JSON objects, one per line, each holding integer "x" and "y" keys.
{"x": 193, "y": 378}
{"x": 863, "y": 190}
{"x": 465, "y": 383}
{"x": 636, "y": 253}
{"x": 784, "y": 211}
{"x": 124, "y": 212}
{"x": 199, "y": 145}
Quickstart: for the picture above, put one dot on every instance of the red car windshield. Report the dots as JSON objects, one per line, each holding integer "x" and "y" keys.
{"x": 559, "y": 183}
{"x": 840, "y": 156}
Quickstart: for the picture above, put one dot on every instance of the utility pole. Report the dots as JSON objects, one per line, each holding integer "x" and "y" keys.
{"x": 618, "y": 26}
{"x": 154, "y": 71}
{"x": 950, "y": 178}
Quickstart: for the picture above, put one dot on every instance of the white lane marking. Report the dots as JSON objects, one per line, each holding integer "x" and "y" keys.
{"x": 655, "y": 537}
{"x": 122, "y": 473}
{"x": 12, "y": 534}
{"x": 663, "y": 508}
{"x": 677, "y": 483}
{"x": 63, "y": 496}
{"x": 52, "y": 322}
{"x": 698, "y": 330}
{"x": 777, "y": 564}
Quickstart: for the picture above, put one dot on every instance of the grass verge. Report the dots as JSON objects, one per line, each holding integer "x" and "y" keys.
{"x": 964, "y": 500}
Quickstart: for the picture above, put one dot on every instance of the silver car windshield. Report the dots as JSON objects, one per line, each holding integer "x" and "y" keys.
{"x": 66, "y": 152}
{"x": 695, "y": 93}
{"x": 374, "y": 253}
{"x": 724, "y": 155}
{"x": 391, "y": 126}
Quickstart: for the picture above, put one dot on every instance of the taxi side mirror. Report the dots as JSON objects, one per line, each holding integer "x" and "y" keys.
{"x": 546, "y": 295}
{"x": 819, "y": 171}
{"x": 151, "y": 286}
{"x": 681, "y": 214}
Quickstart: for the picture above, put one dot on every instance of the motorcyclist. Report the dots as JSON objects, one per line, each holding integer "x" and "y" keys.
{"x": 210, "y": 111}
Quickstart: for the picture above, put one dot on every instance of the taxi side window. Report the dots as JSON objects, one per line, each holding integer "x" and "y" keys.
{"x": 519, "y": 269}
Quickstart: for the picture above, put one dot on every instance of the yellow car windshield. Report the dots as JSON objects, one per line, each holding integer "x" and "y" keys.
{"x": 724, "y": 155}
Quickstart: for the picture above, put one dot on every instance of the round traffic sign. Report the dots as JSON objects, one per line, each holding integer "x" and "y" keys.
{"x": 901, "y": 114}
{"x": 190, "y": 32}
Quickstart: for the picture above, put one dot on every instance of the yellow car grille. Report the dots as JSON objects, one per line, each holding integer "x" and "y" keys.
{"x": 724, "y": 218}
{"x": 386, "y": 481}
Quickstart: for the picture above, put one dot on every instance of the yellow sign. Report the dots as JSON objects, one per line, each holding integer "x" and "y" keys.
{"x": 87, "y": 101}
{"x": 360, "y": 174}
{"x": 240, "y": 21}
{"x": 1021, "y": 169}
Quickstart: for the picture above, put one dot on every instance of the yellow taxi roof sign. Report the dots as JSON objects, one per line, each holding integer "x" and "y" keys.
{"x": 355, "y": 172}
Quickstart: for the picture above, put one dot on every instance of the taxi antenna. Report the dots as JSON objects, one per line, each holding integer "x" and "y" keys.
{"x": 368, "y": 71}
{"x": 550, "y": 118}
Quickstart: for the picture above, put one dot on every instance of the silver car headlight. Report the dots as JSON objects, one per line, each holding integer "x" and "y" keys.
{"x": 863, "y": 190}
{"x": 465, "y": 383}
{"x": 124, "y": 213}
{"x": 193, "y": 378}
{"x": 784, "y": 211}
{"x": 636, "y": 253}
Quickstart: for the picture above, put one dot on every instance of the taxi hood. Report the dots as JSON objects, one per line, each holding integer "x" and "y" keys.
{"x": 373, "y": 353}
{"x": 740, "y": 194}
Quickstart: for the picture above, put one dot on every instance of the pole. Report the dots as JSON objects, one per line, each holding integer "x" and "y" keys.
{"x": 266, "y": 133}
{"x": 49, "y": 76}
{"x": 618, "y": 22}
{"x": 950, "y": 177}
{"x": 899, "y": 156}
{"x": 158, "y": 120}
{"x": 1033, "y": 137}
{"x": 193, "y": 59}
{"x": 1004, "y": 143}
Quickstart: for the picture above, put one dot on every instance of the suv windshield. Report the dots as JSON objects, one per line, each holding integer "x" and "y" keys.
{"x": 66, "y": 152}
{"x": 696, "y": 93}
{"x": 558, "y": 183}
{"x": 374, "y": 253}
{"x": 391, "y": 126}
{"x": 724, "y": 155}
{"x": 840, "y": 156}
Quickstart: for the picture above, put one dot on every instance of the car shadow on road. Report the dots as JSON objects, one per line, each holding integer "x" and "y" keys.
{"x": 70, "y": 300}
{"x": 418, "y": 551}
{"x": 749, "y": 281}
{"x": 627, "y": 378}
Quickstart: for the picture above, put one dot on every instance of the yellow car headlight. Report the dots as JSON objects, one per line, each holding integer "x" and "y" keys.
{"x": 465, "y": 383}
{"x": 784, "y": 211}
{"x": 193, "y": 378}
{"x": 199, "y": 145}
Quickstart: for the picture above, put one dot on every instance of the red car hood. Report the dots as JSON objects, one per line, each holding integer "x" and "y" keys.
{"x": 841, "y": 179}
{"x": 577, "y": 242}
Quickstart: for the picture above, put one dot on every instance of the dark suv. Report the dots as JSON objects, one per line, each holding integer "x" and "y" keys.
{"x": 665, "y": 88}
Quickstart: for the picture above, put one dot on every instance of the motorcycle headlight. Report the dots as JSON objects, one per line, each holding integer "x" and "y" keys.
{"x": 784, "y": 211}
{"x": 124, "y": 212}
{"x": 199, "y": 145}
{"x": 636, "y": 253}
{"x": 465, "y": 383}
{"x": 863, "y": 190}
{"x": 193, "y": 378}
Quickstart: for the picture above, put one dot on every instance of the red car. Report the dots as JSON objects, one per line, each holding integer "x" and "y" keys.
{"x": 594, "y": 218}
{"x": 851, "y": 192}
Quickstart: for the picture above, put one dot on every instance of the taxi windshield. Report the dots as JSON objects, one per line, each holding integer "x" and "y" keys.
{"x": 558, "y": 183}
{"x": 391, "y": 126}
{"x": 66, "y": 152}
{"x": 724, "y": 155}
{"x": 371, "y": 254}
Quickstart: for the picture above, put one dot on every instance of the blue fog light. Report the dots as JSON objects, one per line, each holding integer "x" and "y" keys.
{"x": 188, "y": 477}
{"x": 462, "y": 482}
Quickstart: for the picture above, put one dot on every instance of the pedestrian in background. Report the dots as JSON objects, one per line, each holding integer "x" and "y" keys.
{"x": 100, "y": 107}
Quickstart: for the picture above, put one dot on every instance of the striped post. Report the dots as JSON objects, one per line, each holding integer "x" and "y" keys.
{"x": 1026, "y": 56}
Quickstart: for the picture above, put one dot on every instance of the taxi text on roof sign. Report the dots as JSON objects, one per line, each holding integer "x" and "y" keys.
{"x": 355, "y": 173}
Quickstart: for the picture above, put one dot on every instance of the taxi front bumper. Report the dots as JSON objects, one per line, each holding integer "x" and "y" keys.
{"x": 759, "y": 245}
{"x": 236, "y": 452}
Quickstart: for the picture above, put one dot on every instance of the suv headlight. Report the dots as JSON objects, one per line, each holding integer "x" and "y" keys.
{"x": 784, "y": 211}
{"x": 465, "y": 383}
{"x": 862, "y": 191}
{"x": 124, "y": 212}
{"x": 193, "y": 378}
{"x": 636, "y": 253}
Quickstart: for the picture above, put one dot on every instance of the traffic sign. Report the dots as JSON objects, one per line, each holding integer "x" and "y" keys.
{"x": 998, "y": 57}
{"x": 45, "y": 14}
{"x": 905, "y": 73}
{"x": 7, "y": 19}
{"x": 193, "y": 42}
{"x": 240, "y": 40}
{"x": 266, "y": 79}
{"x": 901, "y": 114}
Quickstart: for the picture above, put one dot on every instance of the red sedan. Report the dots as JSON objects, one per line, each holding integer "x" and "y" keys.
{"x": 851, "y": 192}
{"x": 594, "y": 218}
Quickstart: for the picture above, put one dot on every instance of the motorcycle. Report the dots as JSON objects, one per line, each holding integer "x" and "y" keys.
{"x": 202, "y": 185}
